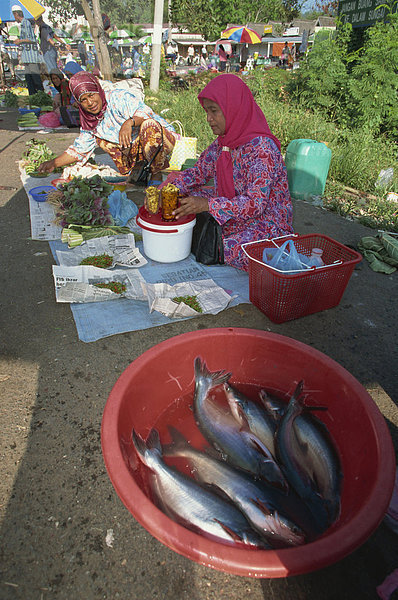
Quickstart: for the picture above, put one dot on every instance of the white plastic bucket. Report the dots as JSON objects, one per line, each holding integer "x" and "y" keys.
{"x": 166, "y": 243}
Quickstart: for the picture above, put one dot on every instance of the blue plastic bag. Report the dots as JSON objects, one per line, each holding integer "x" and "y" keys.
{"x": 121, "y": 208}
{"x": 285, "y": 258}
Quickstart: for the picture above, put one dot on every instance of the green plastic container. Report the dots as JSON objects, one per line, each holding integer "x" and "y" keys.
{"x": 307, "y": 164}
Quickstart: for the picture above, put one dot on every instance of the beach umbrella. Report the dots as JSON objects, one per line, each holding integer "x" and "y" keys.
{"x": 241, "y": 35}
{"x": 14, "y": 30}
{"x": 146, "y": 39}
{"x": 118, "y": 34}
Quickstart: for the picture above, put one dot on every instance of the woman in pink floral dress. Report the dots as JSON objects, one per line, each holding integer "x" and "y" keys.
{"x": 250, "y": 198}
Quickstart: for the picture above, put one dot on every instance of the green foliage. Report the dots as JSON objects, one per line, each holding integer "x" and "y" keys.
{"x": 356, "y": 88}
{"x": 374, "y": 80}
{"x": 322, "y": 80}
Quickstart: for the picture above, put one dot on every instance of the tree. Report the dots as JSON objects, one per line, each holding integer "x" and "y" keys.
{"x": 210, "y": 17}
{"x": 63, "y": 10}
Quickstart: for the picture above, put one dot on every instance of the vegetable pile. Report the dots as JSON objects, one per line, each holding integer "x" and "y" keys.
{"x": 28, "y": 119}
{"x": 82, "y": 201}
{"x": 40, "y": 99}
{"x": 114, "y": 286}
{"x": 190, "y": 301}
{"x": 10, "y": 99}
{"x": 37, "y": 153}
{"x": 74, "y": 235}
{"x": 103, "y": 261}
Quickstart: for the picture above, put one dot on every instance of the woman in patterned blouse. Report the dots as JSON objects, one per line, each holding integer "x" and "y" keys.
{"x": 119, "y": 123}
{"x": 250, "y": 197}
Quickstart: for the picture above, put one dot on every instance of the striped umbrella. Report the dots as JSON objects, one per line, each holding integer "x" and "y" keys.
{"x": 242, "y": 35}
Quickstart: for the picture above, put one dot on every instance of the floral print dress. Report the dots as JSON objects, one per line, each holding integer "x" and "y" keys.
{"x": 121, "y": 105}
{"x": 262, "y": 207}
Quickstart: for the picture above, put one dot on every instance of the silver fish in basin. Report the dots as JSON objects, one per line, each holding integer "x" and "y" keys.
{"x": 239, "y": 445}
{"x": 262, "y": 505}
{"x": 185, "y": 501}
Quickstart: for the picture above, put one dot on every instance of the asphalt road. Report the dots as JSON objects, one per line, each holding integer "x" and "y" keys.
{"x": 57, "y": 503}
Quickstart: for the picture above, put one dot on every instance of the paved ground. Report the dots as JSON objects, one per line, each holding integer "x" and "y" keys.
{"x": 56, "y": 500}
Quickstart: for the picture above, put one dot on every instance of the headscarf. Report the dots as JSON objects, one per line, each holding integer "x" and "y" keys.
{"x": 72, "y": 67}
{"x": 244, "y": 120}
{"x": 84, "y": 83}
{"x": 62, "y": 88}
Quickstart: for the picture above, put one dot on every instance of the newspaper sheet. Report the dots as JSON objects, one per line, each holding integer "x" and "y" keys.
{"x": 211, "y": 298}
{"x": 122, "y": 248}
{"x": 78, "y": 284}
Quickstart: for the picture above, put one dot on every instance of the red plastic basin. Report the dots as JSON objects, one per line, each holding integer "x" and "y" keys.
{"x": 157, "y": 389}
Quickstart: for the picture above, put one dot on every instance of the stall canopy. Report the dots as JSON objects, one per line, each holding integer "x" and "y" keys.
{"x": 30, "y": 8}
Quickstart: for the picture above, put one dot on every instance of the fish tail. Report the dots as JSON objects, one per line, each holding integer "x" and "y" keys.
{"x": 152, "y": 443}
{"x": 212, "y": 378}
{"x": 139, "y": 443}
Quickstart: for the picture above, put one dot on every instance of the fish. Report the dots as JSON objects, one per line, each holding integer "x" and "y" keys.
{"x": 252, "y": 414}
{"x": 262, "y": 505}
{"x": 293, "y": 462}
{"x": 239, "y": 446}
{"x": 190, "y": 504}
{"x": 318, "y": 456}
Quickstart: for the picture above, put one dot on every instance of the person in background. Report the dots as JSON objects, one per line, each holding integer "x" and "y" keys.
{"x": 30, "y": 56}
{"x": 81, "y": 49}
{"x": 204, "y": 52}
{"x": 250, "y": 197}
{"x": 63, "y": 100}
{"x": 285, "y": 55}
{"x": 120, "y": 124}
{"x": 71, "y": 68}
{"x": 222, "y": 55}
{"x": 191, "y": 54}
{"x": 244, "y": 53}
{"x": 48, "y": 45}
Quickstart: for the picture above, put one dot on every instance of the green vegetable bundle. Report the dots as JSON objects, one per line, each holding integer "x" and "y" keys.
{"x": 10, "y": 99}
{"x": 83, "y": 201}
{"x": 40, "y": 99}
{"x": 37, "y": 153}
{"x": 29, "y": 119}
{"x": 74, "y": 235}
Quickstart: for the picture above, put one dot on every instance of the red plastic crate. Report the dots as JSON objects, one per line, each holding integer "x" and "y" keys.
{"x": 284, "y": 297}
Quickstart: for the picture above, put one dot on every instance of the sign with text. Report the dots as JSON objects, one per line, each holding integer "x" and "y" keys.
{"x": 361, "y": 12}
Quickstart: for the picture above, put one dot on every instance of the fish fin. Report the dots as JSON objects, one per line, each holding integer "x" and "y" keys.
{"x": 261, "y": 505}
{"x": 274, "y": 412}
{"x": 257, "y": 444}
{"x": 233, "y": 402}
{"x": 153, "y": 440}
{"x": 179, "y": 443}
{"x": 229, "y": 531}
{"x": 213, "y": 452}
{"x": 139, "y": 443}
{"x": 216, "y": 377}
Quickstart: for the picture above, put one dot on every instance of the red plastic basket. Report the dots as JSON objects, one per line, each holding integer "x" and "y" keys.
{"x": 284, "y": 297}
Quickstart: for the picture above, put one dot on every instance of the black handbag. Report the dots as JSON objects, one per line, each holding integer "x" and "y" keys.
{"x": 207, "y": 243}
{"x": 145, "y": 173}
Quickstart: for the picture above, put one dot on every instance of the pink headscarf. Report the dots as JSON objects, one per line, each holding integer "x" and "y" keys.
{"x": 244, "y": 120}
{"x": 83, "y": 83}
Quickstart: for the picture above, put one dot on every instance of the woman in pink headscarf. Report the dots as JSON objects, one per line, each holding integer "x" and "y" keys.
{"x": 250, "y": 197}
{"x": 119, "y": 123}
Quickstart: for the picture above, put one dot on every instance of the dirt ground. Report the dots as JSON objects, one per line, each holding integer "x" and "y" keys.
{"x": 56, "y": 500}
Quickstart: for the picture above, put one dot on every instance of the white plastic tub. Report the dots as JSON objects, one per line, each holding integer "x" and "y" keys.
{"x": 164, "y": 241}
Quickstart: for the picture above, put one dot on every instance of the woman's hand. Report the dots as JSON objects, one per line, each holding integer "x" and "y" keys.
{"x": 47, "y": 167}
{"x": 191, "y": 205}
{"x": 125, "y": 134}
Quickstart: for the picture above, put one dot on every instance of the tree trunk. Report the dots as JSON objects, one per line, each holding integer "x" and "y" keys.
{"x": 97, "y": 31}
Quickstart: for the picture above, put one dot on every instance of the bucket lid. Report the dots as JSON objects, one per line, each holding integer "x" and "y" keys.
{"x": 157, "y": 221}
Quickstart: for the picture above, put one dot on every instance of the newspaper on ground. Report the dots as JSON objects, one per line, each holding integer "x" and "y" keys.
{"x": 211, "y": 298}
{"x": 79, "y": 284}
{"x": 122, "y": 248}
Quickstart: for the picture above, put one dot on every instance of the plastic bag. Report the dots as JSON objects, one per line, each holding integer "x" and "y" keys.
{"x": 285, "y": 258}
{"x": 49, "y": 119}
{"x": 121, "y": 208}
